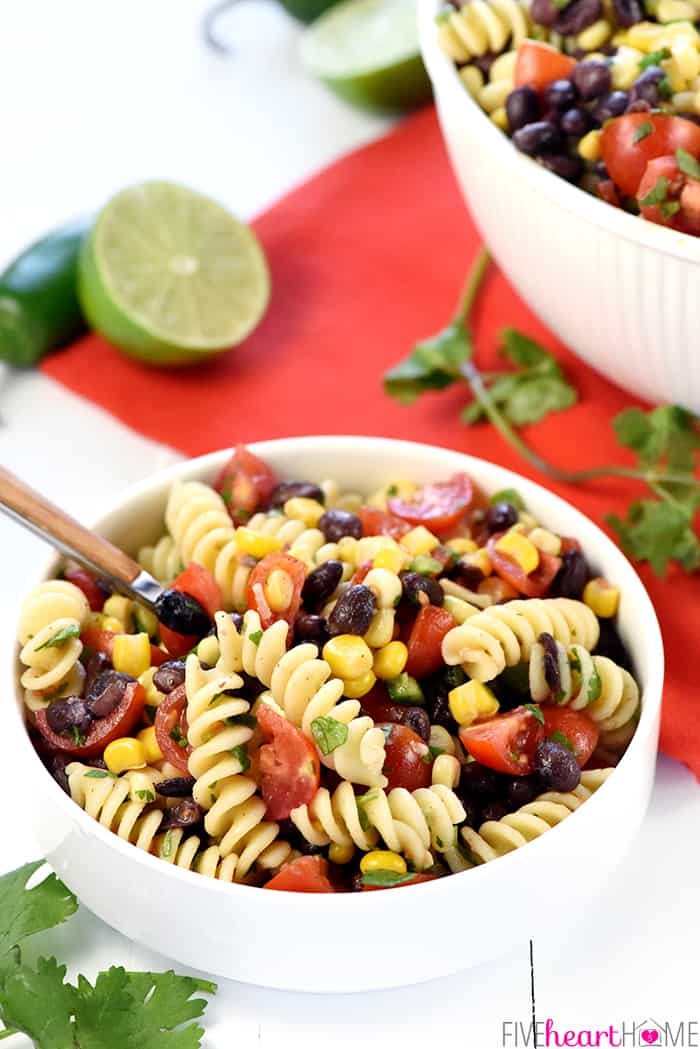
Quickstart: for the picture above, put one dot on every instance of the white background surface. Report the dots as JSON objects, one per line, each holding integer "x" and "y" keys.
{"x": 97, "y": 94}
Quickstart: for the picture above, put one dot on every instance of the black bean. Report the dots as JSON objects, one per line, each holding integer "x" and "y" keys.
{"x": 181, "y": 613}
{"x": 592, "y": 78}
{"x": 480, "y": 782}
{"x": 564, "y": 165}
{"x": 289, "y": 832}
{"x": 522, "y": 107}
{"x": 169, "y": 675}
{"x": 237, "y": 620}
{"x": 67, "y": 714}
{"x": 646, "y": 86}
{"x": 628, "y": 12}
{"x": 540, "y": 137}
{"x": 484, "y": 62}
{"x": 353, "y": 611}
{"x": 294, "y": 490}
{"x": 544, "y": 12}
{"x": 106, "y": 693}
{"x": 336, "y": 524}
{"x": 495, "y": 810}
{"x": 177, "y": 787}
{"x": 576, "y": 122}
{"x": 472, "y": 814}
{"x": 521, "y": 790}
{"x": 186, "y": 815}
{"x": 572, "y": 576}
{"x": 612, "y": 105}
{"x": 552, "y": 674}
{"x": 413, "y": 584}
{"x": 512, "y": 687}
{"x": 557, "y": 767}
{"x": 560, "y": 94}
{"x": 577, "y": 16}
{"x": 417, "y": 719}
{"x": 466, "y": 575}
{"x": 57, "y": 768}
{"x": 311, "y": 628}
{"x": 321, "y": 583}
{"x": 500, "y": 517}
{"x": 438, "y": 708}
{"x": 97, "y": 664}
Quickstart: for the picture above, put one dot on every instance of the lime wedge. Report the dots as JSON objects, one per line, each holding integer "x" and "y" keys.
{"x": 367, "y": 52}
{"x": 169, "y": 276}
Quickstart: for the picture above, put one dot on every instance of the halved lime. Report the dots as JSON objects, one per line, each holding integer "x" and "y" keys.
{"x": 169, "y": 276}
{"x": 367, "y": 52}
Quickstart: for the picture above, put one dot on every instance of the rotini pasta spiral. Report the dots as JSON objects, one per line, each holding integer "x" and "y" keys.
{"x": 503, "y": 635}
{"x": 497, "y": 837}
{"x": 187, "y": 853}
{"x": 409, "y": 823}
{"x": 201, "y": 528}
{"x": 482, "y": 27}
{"x": 307, "y": 544}
{"x": 607, "y": 692}
{"x": 162, "y": 560}
{"x": 123, "y": 804}
{"x": 50, "y": 620}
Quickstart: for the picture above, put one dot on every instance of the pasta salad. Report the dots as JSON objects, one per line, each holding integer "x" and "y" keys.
{"x": 338, "y": 693}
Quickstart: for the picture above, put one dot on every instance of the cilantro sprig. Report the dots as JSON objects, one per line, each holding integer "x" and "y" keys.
{"x": 121, "y": 1010}
{"x": 666, "y": 440}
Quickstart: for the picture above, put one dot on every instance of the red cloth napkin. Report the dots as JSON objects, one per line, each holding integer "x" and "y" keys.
{"x": 366, "y": 258}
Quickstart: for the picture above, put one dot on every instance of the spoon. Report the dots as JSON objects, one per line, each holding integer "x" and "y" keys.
{"x": 31, "y": 510}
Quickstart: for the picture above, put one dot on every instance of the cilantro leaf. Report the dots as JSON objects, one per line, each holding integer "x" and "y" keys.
{"x": 433, "y": 364}
{"x": 328, "y": 733}
{"x": 66, "y": 633}
{"x": 668, "y": 433}
{"x": 658, "y": 194}
{"x": 687, "y": 163}
{"x": 24, "y": 912}
{"x": 385, "y": 879}
{"x": 595, "y": 687}
{"x": 658, "y": 532}
{"x": 654, "y": 58}
{"x": 562, "y": 740}
{"x": 642, "y": 132}
{"x": 38, "y": 1002}
{"x": 536, "y": 711}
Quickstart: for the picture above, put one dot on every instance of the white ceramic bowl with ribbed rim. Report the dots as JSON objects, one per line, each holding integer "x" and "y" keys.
{"x": 356, "y": 941}
{"x": 620, "y": 292}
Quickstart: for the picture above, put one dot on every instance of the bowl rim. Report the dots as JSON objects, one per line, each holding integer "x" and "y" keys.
{"x": 343, "y": 444}
{"x": 446, "y": 81}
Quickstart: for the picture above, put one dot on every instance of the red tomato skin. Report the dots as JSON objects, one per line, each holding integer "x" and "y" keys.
{"x": 245, "y": 483}
{"x": 439, "y": 506}
{"x": 626, "y": 160}
{"x": 361, "y": 573}
{"x": 607, "y": 191}
{"x": 171, "y": 712}
{"x": 86, "y": 582}
{"x": 295, "y": 568}
{"x": 415, "y": 880}
{"x": 377, "y": 705}
{"x": 408, "y": 762}
{"x": 176, "y": 644}
{"x": 537, "y": 583}
{"x": 580, "y": 730}
{"x": 682, "y": 190}
{"x": 305, "y": 874}
{"x": 103, "y": 641}
{"x": 289, "y": 764}
{"x": 379, "y": 522}
{"x": 538, "y": 65}
{"x": 425, "y": 640}
{"x": 119, "y": 723}
{"x": 200, "y": 584}
{"x": 505, "y": 742}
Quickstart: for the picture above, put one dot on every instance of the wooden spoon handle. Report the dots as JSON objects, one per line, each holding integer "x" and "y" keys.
{"x": 48, "y": 522}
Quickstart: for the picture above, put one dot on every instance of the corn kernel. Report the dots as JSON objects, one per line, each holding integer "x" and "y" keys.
{"x": 472, "y": 78}
{"x": 279, "y": 590}
{"x": 462, "y": 546}
{"x": 367, "y": 548}
{"x": 310, "y": 511}
{"x": 153, "y": 696}
{"x": 348, "y": 656}
{"x": 249, "y": 542}
{"x": 390, "y": 661}
{"x": 470, "y": 701}
{"x": 546, "y": 541}
{"x": 381, "y": 629}
{"x": 340, "y": 853}
{"x": 624, "y": 67}
{"x": 499, "y": 117}
{"x": 419, "y": 541}
{"x": 589, "y": 146}
{"x": 460, "y": 610}
{"x": 675, "y": 11}
{"x": 446, "y": 771}
{"x": 110, "y": 623}
{"x": 594, "y": 36}
{"x": 131, "y": 654}
{"x": 480, "y": 559}
{"x": 601, "y": 597}
{"x": 676, "y": 79}
{"x": 120, "y": 608}
{"x": 208, "y": 650}
{"x": 391, "y": 558}
{"x": 520, "y": 550}
{"x": 494, "y": 94}
{"x": 147, "y": 736}
{"x": 383, "y": 860}
{"x": 141, "y": 788}
{"x": 360, "y": 686}
{"x": 441, "y": 740}
{"x": 123, "y": 754}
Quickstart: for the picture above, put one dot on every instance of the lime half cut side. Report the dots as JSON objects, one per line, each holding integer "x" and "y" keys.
{"x": 169, "y": 276}
{"x": 367, "y": 51}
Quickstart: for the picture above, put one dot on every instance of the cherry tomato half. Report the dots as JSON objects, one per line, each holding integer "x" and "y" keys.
{"x": 438, "y": 506}
{"x": 171, "y": 728}
{"x": 408, "y": 762}
{"x": 506, "y": 742}
{"x": 305, "y": 874}
{"x": 626, "y": 159}
{"x": 201, "y": 585}
{"x": 289, "y": 764}
{"x": 379, "y": 522}
{"x": 377, "y": 705}
{"x": 679, "y": 207}
{"x": 579, "y": 732}
{"x": 86, "y": 582}
{"x": 120, "y": 722}
{"x": 425, "y": 640}
{"x": 534, "y": 584}
{"x": 538, "y": 65}
{"x": 103, "y": 641}
{"x": 257, "y": 599}
{"x": 245, "y": 483}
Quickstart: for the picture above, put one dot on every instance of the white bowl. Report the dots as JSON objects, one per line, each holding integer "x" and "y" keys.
{"x": 362, "y": 941}
{"x": 618, "y": 291}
